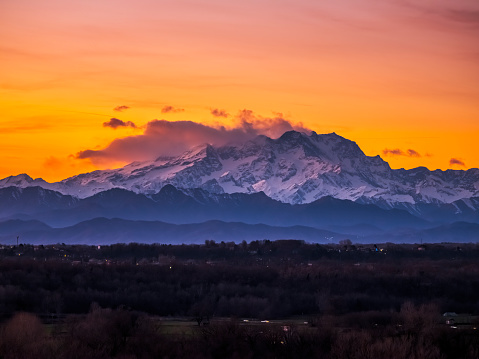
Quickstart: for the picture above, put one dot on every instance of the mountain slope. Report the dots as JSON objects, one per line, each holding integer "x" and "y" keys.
{"x": 31, "y": 200}
{"x": 13, "y": 227}
{"x": 108, "y": 231}
{"x": 295, "y": 168}
{"x": 197, "y": 205}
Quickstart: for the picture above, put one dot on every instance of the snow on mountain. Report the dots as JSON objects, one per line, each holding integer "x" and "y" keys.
{"x": 23, "y": 180}
{"x": 295, "y": 168}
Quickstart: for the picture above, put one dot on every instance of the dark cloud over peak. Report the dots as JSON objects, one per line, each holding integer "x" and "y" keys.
{"x": 121, "y": 108}
{"x": 219, "y": 113}
{"x": 399, "y": 152}
{"x": 115, "y": 123}
{"x": 456, "y": 162}
{"x": 272, "y": 127}
{"x": 168, "y": 138}
{"x": 171, "y": 109}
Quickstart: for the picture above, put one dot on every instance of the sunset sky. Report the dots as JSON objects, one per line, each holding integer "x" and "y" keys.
{"x": 89, "y": 84}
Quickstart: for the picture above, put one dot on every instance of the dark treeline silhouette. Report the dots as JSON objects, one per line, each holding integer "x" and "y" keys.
{"x": 359, "y": 301}
{"x": 105, "y": 333}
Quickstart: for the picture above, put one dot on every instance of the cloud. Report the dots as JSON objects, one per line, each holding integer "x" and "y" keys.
{"x": 412, "y": 153}
{"x": 399, "y": 152}
{"x": 456, "y": 161}
{"x": 461, "y": 12}
{"x": 395, "y": 152}
{"x": 53, "y": 163}
{"x": 25, "y": 126}
{"x": 169, "y": 138}
{"x": 465, "y": 16}
{"x": 272, "y": 127}
{"x": 115, "y": 123}
{"x": 121, "y": 108}
{"x": 171, "y": 109}
{"x": 54, "y": 166}
{"x": 219, "y": 113}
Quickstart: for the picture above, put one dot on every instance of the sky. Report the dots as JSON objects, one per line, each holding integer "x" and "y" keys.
{"x": 88, "y": 85}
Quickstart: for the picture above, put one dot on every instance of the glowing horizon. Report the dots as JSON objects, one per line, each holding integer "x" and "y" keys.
{"x": 399, "y": 78}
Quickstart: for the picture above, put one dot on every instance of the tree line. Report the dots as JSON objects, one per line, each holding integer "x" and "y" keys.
{"x": 102, "y": 301}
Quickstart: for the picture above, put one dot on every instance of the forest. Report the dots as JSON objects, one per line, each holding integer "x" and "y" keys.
{"x": 269, "y": 299}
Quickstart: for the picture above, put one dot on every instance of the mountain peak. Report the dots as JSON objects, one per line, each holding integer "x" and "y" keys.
{"x": 295, "y": 168}
{"x": 21, "y": 177}
{"x": 21, "y": 180}
{"x": 292, "y": 136}
{"x": 198, "y": 152}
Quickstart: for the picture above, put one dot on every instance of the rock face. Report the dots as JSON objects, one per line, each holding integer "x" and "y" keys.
{"x": 295, "y": 168}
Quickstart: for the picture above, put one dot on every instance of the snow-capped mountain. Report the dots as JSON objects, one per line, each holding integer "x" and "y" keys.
{"x": 23, "y": 181}
{"x": 295, "y": 168}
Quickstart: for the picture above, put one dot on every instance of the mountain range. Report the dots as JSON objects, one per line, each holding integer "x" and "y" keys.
{"x": 312, "y": 187}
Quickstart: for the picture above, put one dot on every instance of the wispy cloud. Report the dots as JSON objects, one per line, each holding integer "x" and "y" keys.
{"x": 398, "y": 152}
{"x": 53, "y": 165}
{"x": 456, "y": 162}
{"x": 121, "y": 108}
{"x": 24, "y": 128}
{"x": 53, "y": 162}
{"x": 171, "y": 109}
{"x": 465, "y": 16}
{"x": 219, "y": 113}
{"x": 115, "y": 123}
{"x": 166, "y": 138}
{"x": 461, "y": 11}
{"x": 394, "y": 152}
{"x": 412, "y": 153}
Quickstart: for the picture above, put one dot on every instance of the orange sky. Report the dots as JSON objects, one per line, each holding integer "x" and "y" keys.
{"x": 393, "y": 76}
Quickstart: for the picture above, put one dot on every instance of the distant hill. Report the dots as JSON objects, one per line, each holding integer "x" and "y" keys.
{"x": 109, "y": 231}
